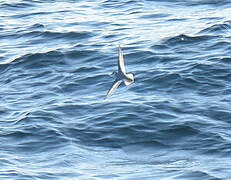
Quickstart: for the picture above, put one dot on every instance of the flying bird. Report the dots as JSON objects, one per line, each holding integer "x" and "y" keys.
{"x": 121, "y": 75}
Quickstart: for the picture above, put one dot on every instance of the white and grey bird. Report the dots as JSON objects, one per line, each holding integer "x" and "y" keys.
{"x": 121, "y": 75}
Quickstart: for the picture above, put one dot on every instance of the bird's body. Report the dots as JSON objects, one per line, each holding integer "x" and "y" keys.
{"x": 121, "y": 75}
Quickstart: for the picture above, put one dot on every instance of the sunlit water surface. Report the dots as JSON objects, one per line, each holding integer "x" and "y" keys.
{"x": 56, "y": 64}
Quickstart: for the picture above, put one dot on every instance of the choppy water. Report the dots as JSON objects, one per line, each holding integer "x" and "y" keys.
{"x": 56, "y": 60}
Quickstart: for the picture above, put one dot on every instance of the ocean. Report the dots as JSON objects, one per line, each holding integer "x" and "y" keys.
{"x": 57, "y": 60}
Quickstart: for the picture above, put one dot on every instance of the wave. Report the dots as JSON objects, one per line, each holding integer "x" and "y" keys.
{"x": 52, "y": 58}
{"x": 185, "y": 39}
{"x": 51, "y": 35}
{"x": 16, "y": 5}
{"x": 170, "y": 123}
{"x": 40, "y": 60}
{"x": 66, "y": 35}
{"x": 116, "y": 4}
{"x": 218, "y": 28}
{"x": 197, "y": 175}
{"x": 196, "y": 2}
{"x": 151, "y": 16}
{"x": 208, "y": 2}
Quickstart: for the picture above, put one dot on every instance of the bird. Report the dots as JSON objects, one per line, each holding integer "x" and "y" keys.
{"x": 121, "y": 75}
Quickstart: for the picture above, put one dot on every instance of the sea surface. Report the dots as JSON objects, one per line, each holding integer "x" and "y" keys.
{"x": 57, "y": 60}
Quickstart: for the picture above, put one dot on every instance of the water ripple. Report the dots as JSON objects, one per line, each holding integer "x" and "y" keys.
{"x": 56, "y": 64}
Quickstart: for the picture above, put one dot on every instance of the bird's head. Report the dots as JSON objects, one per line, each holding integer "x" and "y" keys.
{"x": 131, "y": 76}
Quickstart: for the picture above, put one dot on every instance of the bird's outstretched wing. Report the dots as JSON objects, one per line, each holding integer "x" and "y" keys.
{"x": 121, "y": 66}
{"x": 114, "y": 87}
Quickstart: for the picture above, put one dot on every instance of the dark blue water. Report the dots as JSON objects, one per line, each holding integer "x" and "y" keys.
{"x": 56, "y": 64}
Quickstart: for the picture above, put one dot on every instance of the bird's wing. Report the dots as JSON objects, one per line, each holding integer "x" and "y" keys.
{"x": 121, "y": 66}
{"x": 114, "y": 87}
